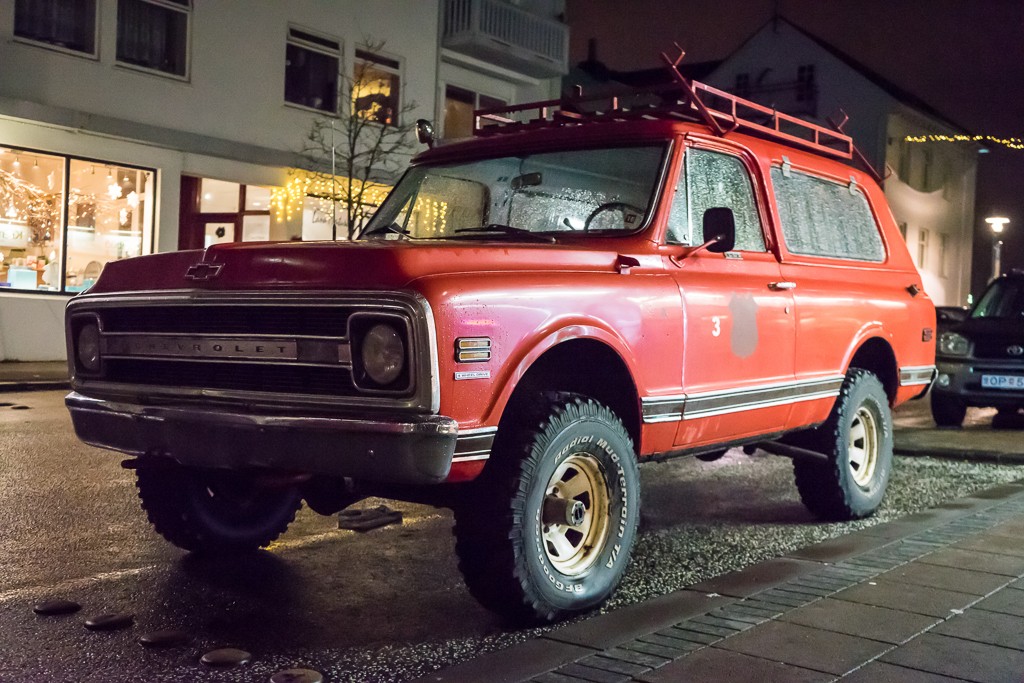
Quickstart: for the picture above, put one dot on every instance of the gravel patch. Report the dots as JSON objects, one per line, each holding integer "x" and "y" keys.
{"x": 700, "y": 520}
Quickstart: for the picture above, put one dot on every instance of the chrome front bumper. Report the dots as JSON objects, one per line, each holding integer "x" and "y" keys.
{"x": 415, "y": 450}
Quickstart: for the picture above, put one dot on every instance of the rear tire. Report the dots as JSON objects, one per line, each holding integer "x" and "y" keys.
{"x": 550, "y": 525}
{"x": 857, "y": 438}
{"x": 948, "y": 412}
{"x": 1008, "y": 418}
{"x": 214, "y": 511}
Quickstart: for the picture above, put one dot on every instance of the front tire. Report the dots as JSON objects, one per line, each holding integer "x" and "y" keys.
{"x": 214, "y": 511}
{"x": 857, "y": 438}
{"x": 948, "y": 412}
{"x": 550, "y": 527}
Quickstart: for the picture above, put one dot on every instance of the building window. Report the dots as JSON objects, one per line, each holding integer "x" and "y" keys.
{"x": 311, "y": 71}
{"x": 943, "y": 254}
{"x": 153, "y": 34}
{"x": 903, "y": 230}
{"x": 806, "y": 89}
{"x": 922, "y": 248}
{"x": 742, "y": 85}
{"x": 107, "y": 209}
{"x": 58, "y": 23}
{"x": 459, "y": 104}
{"x": 376, "y": 88}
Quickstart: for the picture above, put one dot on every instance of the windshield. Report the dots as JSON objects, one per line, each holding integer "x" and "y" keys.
{"x": 1004, "y": 299}
{"x": 530, "y": 196}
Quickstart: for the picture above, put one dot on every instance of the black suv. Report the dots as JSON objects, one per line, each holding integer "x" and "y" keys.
{"x": 981, "y": 360}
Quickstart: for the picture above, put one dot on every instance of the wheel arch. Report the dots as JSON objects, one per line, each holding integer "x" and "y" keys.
{"x": 586, "y": 366}
{"x": 876, "y": 356}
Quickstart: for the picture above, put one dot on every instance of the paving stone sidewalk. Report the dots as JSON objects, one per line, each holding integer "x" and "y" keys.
{"x": 937, "y": 596}
{"x": 33, "y": 376}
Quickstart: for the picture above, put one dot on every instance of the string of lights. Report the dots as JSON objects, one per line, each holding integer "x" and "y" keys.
{"x": 286, "y": 202}
{"x": 1012, "y": 143}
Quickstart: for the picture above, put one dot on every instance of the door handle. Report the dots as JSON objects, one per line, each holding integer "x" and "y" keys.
{"x": 779, "y": 286}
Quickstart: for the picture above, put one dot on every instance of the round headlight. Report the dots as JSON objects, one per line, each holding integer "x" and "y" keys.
{"x": 89, "y": 347}
{"x": 383, "y": 354}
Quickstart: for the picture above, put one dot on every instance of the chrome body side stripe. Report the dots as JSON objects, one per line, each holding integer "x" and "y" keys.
{"x": 663, "y": 409}
{"x": 917, "y": 375}
{"x": 709, "y": 404}
{"x": 474, "y": 444}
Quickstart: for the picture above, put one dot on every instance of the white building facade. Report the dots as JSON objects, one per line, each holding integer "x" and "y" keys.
{"x": 130, "y": 127}
{"x": 930, "y": 188}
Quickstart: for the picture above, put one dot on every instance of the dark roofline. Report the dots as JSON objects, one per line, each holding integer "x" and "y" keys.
{"x": 897, "y": 93}
{"x": 644, "y": 78}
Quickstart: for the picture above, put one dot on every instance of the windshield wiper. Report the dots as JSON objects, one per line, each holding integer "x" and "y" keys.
{"x": 500, "y": 229}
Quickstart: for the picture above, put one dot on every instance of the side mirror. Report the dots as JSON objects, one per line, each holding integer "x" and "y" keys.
{"x": 425, "y": 132}
{"x": 720, "y": 229}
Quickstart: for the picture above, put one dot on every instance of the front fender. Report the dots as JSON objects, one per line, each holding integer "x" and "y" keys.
{"x": 543, "y": 341}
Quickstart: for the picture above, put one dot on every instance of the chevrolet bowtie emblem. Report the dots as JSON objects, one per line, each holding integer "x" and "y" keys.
{"x": 203, "y": 271}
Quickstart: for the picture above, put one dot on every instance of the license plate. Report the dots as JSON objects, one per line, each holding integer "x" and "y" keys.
{"x": 1002, "y": 382}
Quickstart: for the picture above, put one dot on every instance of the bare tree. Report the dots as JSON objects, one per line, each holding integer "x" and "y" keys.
{"x": 366, "y": 144}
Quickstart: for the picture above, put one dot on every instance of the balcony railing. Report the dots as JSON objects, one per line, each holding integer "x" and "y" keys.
{"x": 507, "y": 36}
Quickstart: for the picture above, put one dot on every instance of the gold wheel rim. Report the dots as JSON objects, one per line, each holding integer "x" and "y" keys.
{"x": 863, "y": 447}
{"x": 572, "y": 550}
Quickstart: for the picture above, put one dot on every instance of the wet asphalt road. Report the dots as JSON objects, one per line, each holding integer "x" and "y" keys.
{"x": 387, "y": 605}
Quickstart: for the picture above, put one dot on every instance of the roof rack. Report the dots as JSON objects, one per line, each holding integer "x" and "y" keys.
{"x": 685, "y": 100}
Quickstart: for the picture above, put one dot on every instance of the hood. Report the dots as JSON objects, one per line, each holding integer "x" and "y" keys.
{"x": 378, "y": 264}
{"x": 1010, "y": 330}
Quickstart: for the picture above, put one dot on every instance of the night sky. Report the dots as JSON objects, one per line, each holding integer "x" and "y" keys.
{"x": 963, "y": 57}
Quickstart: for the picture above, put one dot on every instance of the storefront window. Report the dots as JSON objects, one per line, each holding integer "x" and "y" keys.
{"x": 31, "y": 206}
{"x": 108, "y": 211}
{"x": 108, "y": 214}
{"x": 220, "y": 211}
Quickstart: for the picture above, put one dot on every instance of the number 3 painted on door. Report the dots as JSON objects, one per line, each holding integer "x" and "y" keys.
{"x": 716, "y": 330}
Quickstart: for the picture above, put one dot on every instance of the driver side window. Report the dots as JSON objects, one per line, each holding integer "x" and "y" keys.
{"x": 712, "y": 179}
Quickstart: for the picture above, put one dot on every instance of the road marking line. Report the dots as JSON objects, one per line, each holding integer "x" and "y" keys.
{"x": 337, "y": 534}
{"x": 73, "y": 584}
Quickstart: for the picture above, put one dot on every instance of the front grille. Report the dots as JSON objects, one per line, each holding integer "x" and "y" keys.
{"x": 996, "y": 350}
{"x": 275, "y": 348}
{"x": 323, "y": 321}
{"x": 232, "y": 376}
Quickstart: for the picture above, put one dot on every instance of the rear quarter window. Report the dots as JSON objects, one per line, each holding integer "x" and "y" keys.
{"x": 823, "y": 218}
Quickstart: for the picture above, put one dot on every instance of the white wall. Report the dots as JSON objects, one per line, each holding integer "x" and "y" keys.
{"x": 945, "y": 208}
{"x": 776, "y": 52}
{"x": 32, "y": 327}
{"x": 29, "y": 329}
{"x": 227, "y": 120}
{"x": 235, "y": 90}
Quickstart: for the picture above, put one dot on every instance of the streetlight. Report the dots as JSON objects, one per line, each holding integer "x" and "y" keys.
{"x": 997, "y": 224}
